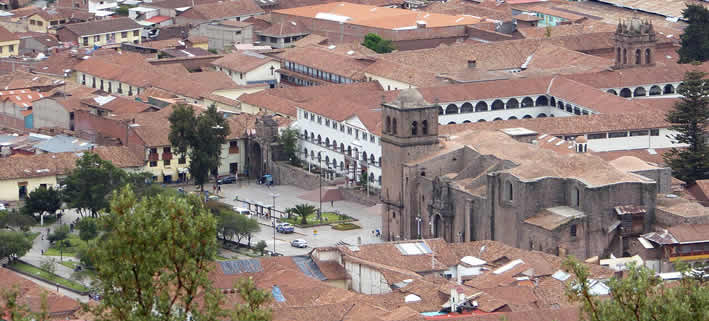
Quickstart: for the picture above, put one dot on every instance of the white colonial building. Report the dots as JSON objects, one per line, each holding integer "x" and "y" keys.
{"x": 346, "y": 147}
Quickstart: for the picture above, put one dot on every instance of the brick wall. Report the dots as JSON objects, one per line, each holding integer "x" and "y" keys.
{"x": 104, "y": 129}
{"x": 284, "y": 174}
{"x": 665, "y": 218}
{"x": 11, "y": 122}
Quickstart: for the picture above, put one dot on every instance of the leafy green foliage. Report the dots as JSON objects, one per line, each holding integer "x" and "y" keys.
{"x": 304, "y": 210}
{"x": 690, "y": 117}
{"x": 49, "y": 265}
{"x": 14, "y": 244}
{"x": 42, "y": 200}
{"x": 376, "y": 43}
{"x": 90, "y": 184}
{"x": 15, "y": 220}
{"x": 154, "y": 262}
{"x": 232, "y": 225}
{"x": 60, "y": 233}
{"x": 200, "y": 138}
{"x": 260, "y": 246}
{"x": 255, "y": 298}
{"x": 639, "y": 296}
{"x": 289, "y": 141}
{"x": 88, "y": 229}
{"x": 695, "y": 39}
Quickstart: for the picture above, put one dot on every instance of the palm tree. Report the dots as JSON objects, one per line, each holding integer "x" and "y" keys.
{"x": 303, "y": 210}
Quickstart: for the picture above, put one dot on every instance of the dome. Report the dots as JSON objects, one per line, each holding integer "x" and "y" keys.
{"x": 410, "y": 98}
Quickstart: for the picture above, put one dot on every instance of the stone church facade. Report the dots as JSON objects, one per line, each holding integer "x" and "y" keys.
{"x": 489, "y": 185}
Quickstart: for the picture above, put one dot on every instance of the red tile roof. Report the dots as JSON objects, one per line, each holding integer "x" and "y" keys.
{"x": 158, "y": 19}
{"x": 242, "y": 61}
{"x": 6, "y": 35}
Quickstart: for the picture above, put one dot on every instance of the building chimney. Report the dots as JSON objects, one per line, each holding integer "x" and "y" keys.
{"x": 420, "y": 24}
{"x": 472, "y": 63}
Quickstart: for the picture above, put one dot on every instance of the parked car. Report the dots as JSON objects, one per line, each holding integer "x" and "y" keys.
{"x": 299, "y": 243}
{"x": 241, "y": 210}
{"x": 227, "y": 180}
{"x": 285, "y": 228}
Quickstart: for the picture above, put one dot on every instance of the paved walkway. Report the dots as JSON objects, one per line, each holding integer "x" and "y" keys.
{"x": 288, "y": 196}
{"x": 40, "y": 244}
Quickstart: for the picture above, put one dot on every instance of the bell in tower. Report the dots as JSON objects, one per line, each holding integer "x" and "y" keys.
{"x": 635, "y": 43}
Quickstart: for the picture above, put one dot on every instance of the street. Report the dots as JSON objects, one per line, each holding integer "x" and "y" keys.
{"x": 368, "y": 217}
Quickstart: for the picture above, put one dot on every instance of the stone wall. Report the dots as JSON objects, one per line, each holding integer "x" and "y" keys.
{"x": 666, "y": 218}
{"x": 357, "y": 196}
{"x": 285, "y": 174}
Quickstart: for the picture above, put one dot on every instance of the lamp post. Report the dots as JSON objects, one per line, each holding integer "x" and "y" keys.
{"x": 320, "y": 174}
{"x": 273, "y": 223}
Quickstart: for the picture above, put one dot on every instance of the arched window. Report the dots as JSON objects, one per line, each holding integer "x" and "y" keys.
{"x": 509, "y": 193}
{"x": 542, "y": 115}
{"x": 342, "y": 147}
{"x": 306, "y": 134}
{"x": 451, "y": 123}
{"x": 364, "y": 156}
{"x": 388, "y": 125}
{"x": 327, "y": 160}
{"x": 319, "y": 139}
{"x": 625, "y": 92}
{"x": 424, "y": 127}
{"x": 342, "y": 165}
{"x": 334, "y": 145}
{"x": 655, "y": 90}
{"x": 638, "y": 57}
{"x": 612, "y": 92}
{"x": 625, "y": 56}
{"x": 498, "y": 105}
{"x": 527, "y": 102}
{"x": 371, "y": 159}
{"x": 542, "y": 101}
{"x": 305, "y": 152}
{"x": 527, "y": 117}
{"x": 576, "y": 197}
{"x": 552, "y": 101}
{"x": 380, "y": 161}
{"x": 466, "y": 108}
{"x": 451, "y": 109}
{"x": 648, "y": 56}
{"x": 481, "y": 106}
{"x": 312, "y": 136}
{"x": 440, "y": 110}
{"x": 640, "y": 91}
{"x": 327, "y": 141}
{"x": 312, "y": 155}
{"x": 560, "y": 104}
{"x": 414, "y": 128}
{"x": 512, "y": 117}
{"x": 393, "y": 126}
{"x": 349, "y": 150}
{"x": 669, "y": 89}
{"x": 512, "y": 103}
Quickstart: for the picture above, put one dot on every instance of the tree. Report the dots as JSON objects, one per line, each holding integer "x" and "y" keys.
{"x": 60, "y": 233}
{"x": 255, "y": 298}
{"x": 49, "y": 265}
{"x": 261, "y": 246}
{"x": 14, "y": 244}
{"x": 695, "y": 39}
{"x": 289, "y": 140}
{"x": 155, "y": 261}
{"x": 376, "y": 43}
{"x": 42, "y": 200}
{"x": 639, "y": 296}
{"x": 690, "y": 118}
{"x": 199, "y": 137}
{"x": 90, "y": 184}
{"x": 15, "y": 220}
{"x": 231, "y": 224}
{"x": 304, "y": 210}
{"x": 88, "y": 229}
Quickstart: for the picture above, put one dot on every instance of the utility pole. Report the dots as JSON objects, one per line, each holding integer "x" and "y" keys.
{"x": 320, "y": 174}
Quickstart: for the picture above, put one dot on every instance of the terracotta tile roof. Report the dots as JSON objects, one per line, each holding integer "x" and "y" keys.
{"x": 636, "y": 76}
{"x": 152, "y": 127}
{"x": 223, "y": 9}
{"x": 119, "y": 105}
{"x": 25, "y": 11}
{"x": 688, "y": 233}
{"x": 64, "y": 13}
{"x": 389, "y": 254}
{"x": 284, "y": 29}
{"x": 378, "y": 17}
{"x": 26, "y": 80}
{"x": 31, "y": 295}
{"x": 212, "y": 80}
{"x": 174, "y": 69}
{"x": 72, "y": 100}
{"x": 350, "y": 66}
{"x": 568, "y": 30}
{"x": 102, "y": 26}
{"x": 575, "y": 125}
{"x": 566, "y": 314}
{"x": 6, "y": 35}
{"x": 120, "y": 156}
{"x": 654, "y": 157}
{"x": 590, "y": 97}
{"x": 22, "y": 98}
{"x": 240, "y": 125}
{"x": 331, "y": 269}
{"x": 173, "y": 4}
{"x": 350, "y": 311}
{"x": 554, "y": 12}
{"x": 39, "y": 165}
{"x": 157, "y": 19}
{"x": 457, "y": 7}
{"x": 162, "y": 44}
{"x": 310, "y": 40}
{"x": 242, "y": 61}
{"x": 258, "y": 22}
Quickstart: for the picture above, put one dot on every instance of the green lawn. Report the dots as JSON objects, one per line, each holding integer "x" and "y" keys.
{"x": 345, "y": 226}
{"x": 327, "y": 217}
{"x": 69, "y": 264}
{"x": 32, "y": 235}
{"x": 33, "y": 270}
{"x": 221, "y": 258}
{"x": 68, "y": 251}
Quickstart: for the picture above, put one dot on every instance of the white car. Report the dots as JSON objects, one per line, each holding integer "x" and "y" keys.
{"x": 299, "y": 243}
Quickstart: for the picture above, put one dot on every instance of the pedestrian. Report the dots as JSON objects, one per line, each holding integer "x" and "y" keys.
{"x": 219, "y": 188}
{"x": 332, "y": 203}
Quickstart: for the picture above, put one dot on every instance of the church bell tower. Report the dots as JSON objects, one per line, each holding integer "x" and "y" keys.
{"x": 635, "y": 43}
